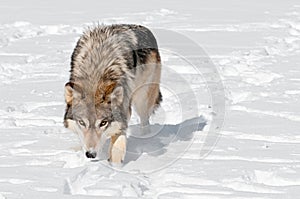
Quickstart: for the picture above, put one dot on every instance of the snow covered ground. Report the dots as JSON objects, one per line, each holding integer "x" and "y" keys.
{"x": 255, "y": 47}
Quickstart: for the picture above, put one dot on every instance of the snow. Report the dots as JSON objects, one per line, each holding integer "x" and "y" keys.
{"x": 244, "y": 55}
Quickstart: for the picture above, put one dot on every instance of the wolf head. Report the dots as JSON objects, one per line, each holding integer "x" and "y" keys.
{"x": 93, "y": 114}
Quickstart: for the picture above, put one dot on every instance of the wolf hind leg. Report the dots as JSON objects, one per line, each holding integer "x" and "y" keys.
{"x": 147, "y": 97}
{"x": 146, "y": 102}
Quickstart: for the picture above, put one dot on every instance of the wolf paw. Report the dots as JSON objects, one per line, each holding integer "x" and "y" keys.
{"x": 118, "y": 149}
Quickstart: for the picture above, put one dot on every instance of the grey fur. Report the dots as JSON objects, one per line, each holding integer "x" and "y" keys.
{"x": 112, "y": 67}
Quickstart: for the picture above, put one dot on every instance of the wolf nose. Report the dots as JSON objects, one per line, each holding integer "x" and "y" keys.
{"x": 90, "y": 154}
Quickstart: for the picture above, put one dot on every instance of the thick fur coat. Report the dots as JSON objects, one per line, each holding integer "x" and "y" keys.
{"x": 112, "y": 68}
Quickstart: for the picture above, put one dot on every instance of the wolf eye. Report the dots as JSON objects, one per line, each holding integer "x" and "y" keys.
{"x": 81, "y": 123}
{"x": 103, "y": 123}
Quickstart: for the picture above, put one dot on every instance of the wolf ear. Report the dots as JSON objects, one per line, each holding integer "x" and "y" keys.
{"x": 69, "y": 93}
{"x": 117, "y": 95}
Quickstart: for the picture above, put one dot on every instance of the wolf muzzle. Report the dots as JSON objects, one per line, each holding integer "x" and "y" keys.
{"x": 91, "y": 154}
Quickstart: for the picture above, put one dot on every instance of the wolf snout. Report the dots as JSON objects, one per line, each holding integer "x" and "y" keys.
{"x": 91, "y": 154}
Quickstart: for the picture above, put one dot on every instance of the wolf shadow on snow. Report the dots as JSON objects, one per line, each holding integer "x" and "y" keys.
{"x": 156, "y": 142}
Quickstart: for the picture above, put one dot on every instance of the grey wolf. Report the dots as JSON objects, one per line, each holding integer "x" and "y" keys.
{"x": 112, "y": 68}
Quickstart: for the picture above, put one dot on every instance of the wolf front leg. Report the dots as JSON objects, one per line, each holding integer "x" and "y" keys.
{"x": 117, "y": 148}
